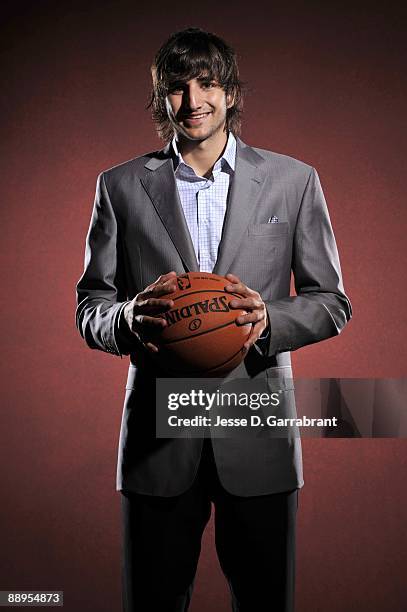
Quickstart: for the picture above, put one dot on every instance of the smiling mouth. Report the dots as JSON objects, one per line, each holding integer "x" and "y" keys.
{"x": 196, "y": 117}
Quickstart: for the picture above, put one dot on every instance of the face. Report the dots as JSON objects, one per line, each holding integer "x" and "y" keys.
{"x": 197, "y": 108}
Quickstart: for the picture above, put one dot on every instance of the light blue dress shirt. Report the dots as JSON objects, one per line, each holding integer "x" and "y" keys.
{"x": 204, "y": 202}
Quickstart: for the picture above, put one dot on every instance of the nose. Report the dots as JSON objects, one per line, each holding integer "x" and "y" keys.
{"x": 193, "y": 96}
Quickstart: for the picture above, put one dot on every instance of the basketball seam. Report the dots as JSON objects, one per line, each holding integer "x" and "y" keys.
{"x": 221, "y": 364}
{"x": 202, "y": 333}
{"x": 200, "y": 373}
{"x": 202, "y": 291}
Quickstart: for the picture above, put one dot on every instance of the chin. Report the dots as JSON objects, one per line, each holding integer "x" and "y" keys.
{"x": 199, "y": 134}
{"x": 196, "y": 135}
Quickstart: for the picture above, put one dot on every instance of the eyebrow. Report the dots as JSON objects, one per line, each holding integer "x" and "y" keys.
{"x": 181, "y": 82}
{"x": 206, "y": 78}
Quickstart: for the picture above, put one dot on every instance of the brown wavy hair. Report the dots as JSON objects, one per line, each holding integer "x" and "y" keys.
{"x": 189, "y": 54}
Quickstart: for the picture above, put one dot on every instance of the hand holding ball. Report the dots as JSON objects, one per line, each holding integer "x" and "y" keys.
{"x": 201, "y": 337}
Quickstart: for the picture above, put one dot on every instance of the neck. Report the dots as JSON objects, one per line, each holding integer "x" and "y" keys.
{"x": 202, "y": 155}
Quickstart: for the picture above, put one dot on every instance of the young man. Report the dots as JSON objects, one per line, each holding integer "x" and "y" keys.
{"x": 207, "y": 202}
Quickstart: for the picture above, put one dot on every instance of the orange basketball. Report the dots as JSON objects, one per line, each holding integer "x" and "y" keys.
{"x": 202, "y": 337}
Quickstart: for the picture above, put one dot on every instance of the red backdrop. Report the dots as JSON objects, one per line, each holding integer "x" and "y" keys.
{"x": 326, "y": 84}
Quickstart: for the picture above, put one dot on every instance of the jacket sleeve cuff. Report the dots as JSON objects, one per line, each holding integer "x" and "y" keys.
{"x": 125, "y": 340}
{"x": 263, "y": 341}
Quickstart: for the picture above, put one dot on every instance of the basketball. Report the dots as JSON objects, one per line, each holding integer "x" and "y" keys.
{"x": 202, "y": 337}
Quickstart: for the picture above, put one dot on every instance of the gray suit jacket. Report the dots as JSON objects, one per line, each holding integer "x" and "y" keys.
{"x": 138, "y": 231}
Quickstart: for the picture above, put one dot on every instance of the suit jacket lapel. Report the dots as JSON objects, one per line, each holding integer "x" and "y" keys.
{"x": 160, "y": 184}
{"x": 241, "y": 203}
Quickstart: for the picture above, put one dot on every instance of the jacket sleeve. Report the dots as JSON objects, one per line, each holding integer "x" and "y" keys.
{"x": 320, "y": 309}
{"x": 101, "y": 291}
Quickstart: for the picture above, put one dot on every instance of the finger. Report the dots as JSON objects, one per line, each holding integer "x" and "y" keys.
{"x": 165, "y": 277}
{"x": 151, "y": 347}
{"x": 240, "y": 288}
{"x": 169, "y": 286}
{"x": 161, "y": 280}
{"x": 248, "y": 343}
{"x": 152, "y": 305}
{"x": 249, "y": 303}
{"x": 256, "y": 332}
{"x": 233, "y": 278}
{"x": 234, "y": 281}
{"x": 146, "y": 322}
{"x": 252, "y": 317}
{"x": 250, "y": 340}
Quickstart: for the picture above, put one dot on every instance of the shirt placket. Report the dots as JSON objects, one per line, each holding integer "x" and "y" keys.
{"x": 204, "y": 241}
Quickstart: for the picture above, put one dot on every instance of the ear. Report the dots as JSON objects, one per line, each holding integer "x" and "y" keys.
{"x": 230, "y": 100}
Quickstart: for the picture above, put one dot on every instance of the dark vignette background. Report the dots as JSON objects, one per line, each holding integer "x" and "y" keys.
{"x": 327, "y": 84}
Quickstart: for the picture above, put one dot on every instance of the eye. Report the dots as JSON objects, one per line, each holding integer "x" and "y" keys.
{"x": 208, "y": 84}
{"x": 176, "y": 88}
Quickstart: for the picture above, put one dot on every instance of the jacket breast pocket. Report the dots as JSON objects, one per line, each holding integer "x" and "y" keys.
{"x": 268, "y": 229}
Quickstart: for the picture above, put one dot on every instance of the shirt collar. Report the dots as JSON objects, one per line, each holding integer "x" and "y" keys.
{"x": 229, "y": 154}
